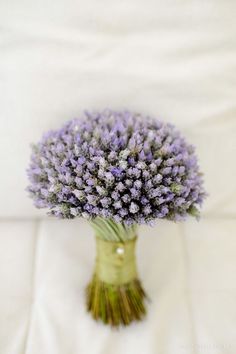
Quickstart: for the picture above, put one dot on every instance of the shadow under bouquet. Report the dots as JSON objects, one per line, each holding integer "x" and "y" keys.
{"x": 118, "y": 170}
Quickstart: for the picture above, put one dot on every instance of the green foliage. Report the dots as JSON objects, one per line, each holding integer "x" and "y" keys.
{"x": 194, "y": 211}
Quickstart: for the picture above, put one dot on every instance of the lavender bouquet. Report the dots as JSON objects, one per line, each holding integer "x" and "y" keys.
{"x": 118, "y": 170}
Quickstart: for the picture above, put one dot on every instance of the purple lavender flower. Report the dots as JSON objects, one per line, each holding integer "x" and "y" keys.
{"x": 134, "y": 208}
{"x": 135, "y": 193}
{"x": 120, "y": 187}
{"x": 123, "y": 212}
{"x": 81, "y": 160}
{"x": 116, "y": 171}
{"x": 138, "y": 184}
{"x": 105, "y": 202}
{"x": 117, "y": 205}
{"x": 116, "y": 165}
{"x": 126, "y": 198}
{"x": 147, "y": 210}
{"x": 115, "y": 195}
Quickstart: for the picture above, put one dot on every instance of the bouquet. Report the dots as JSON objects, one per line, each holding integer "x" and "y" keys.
{"x": 118, "y": 170}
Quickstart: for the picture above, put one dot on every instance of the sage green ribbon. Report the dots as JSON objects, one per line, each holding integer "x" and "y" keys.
{"x": 115, "y": 262}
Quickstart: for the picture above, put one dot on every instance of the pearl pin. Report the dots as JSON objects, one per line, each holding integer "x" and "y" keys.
{"x": 120, "y": 250}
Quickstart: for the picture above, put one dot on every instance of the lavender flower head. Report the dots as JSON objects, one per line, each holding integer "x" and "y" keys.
{"x": 119, "y": 165}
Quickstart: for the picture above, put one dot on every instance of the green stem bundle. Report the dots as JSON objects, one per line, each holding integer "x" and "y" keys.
{"x": 115, "y": 294}
{"x": 116, "y": 304}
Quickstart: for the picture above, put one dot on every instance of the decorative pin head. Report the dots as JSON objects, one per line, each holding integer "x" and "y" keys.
{"x": 120, "y": 250}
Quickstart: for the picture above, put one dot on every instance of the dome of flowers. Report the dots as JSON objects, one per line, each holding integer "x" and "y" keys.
{"x": 119, "y": 165}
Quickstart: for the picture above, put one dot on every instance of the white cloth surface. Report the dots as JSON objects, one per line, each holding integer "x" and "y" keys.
{"x": 173, "y": 59}
{"x": 187, "y": 269}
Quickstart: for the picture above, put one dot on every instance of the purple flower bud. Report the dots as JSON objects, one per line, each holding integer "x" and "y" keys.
{"x": 90, "y": 182}
{"x": 153, "y": 167}
{"x": 158, "y": 161}
{"x": 154, "y": 192}
{"x": 112, "y": 156}
{"x": 138, "y": 184}
{"x": 128, "y": 182}
{"x": 126, "y": 198}
{"x": 147, "y": 210}
{"x": 157, "y": 179}
{"x": 166, "y": 170}
{"x": 146, "y": 175}
{"x": 149, "y": 184}
{"x": 92, "y": 199}
{"x": 116, "y": 171}
{"x": 109, "y": 177}
{"x": 179, "y": 201}
{"x": 164, "y": 210}
{"x": 131, "y": 161}
{"x": 120, "y": 187}
{"x": 117, "y": 205}
{"x": 142, "y": 155}
{"x": 74, "y": 211}
{"x": 123, "y": 212}
{"x": 105, "y": 202}
{"x": 170, "y": 162}
{"x": 134, "y": 208}
{"x": 141, "y": 165}
{"x": 117, "y": 218}
{"x": 135, "y": 193}
{"x": 81, "y": 160}
{"x": 144, "y": 200}
{"x": 79, "y": 194}
{"x": 101, "y": 190}
{"x": 115, "y": 195}
{"x": 181, "y": 170}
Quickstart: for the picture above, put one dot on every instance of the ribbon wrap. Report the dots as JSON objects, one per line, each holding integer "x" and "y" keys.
{"x": 115, "y": 261}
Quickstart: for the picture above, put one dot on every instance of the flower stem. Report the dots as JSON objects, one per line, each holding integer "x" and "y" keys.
{"x": 116, "y": 304}
{"x": 115, "y": 294}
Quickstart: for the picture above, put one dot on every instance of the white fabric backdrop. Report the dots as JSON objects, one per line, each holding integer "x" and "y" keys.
{"x": 172, "y": 59}
{"x": 176, "y": 61}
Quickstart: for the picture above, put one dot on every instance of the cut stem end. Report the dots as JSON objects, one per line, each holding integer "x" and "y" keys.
{"x": 116, "y": 305}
